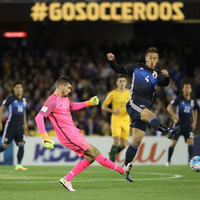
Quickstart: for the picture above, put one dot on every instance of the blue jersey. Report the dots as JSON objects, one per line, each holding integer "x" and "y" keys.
{"x": 144, "y": 84}
{"x": 16, "y": 107}
{"x": 184, "y": 110}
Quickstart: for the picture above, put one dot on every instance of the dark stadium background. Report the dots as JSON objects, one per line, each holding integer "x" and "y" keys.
{"x": 78, "y": 50}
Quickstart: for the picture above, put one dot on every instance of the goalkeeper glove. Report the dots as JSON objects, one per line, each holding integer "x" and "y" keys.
{"x": 94, "y": 101}
{"x": 47, "y": 142}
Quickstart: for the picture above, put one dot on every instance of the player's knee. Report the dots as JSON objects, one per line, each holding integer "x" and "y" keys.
{"x": 190, "y": 142}
{"x": 93, "y": 152}
{"x": 174, "y": 142}
{"x": 146, "y": 115}
{"x": 89, "y": 158}
{"x": 116, "y": 141}
{"x": 137, "y": 142}
{"x": 5, "y": 146}
{"x": 96, "y": 152}
{"x": 123, "y": 146}
{"x": 20, "y": 144}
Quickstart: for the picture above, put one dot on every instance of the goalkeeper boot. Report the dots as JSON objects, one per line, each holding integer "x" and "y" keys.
{"x": 20, "y": 167}
{"x": 170, "y": 132}
{"x": 66, "y": 184}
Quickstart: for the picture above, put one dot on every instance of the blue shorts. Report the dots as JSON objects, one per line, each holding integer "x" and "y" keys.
{"x": 186, "y": 132}
{"x": 135, "y": 116}
{"x": 15, "y": 133}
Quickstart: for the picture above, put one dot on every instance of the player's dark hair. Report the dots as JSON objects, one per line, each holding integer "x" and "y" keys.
{"x": 152, "y": 50}
{"x": 17, "y": 83}
{"x": 187, "y": 83}
{"x": 63, "y": 80}
{"x": 121, "y": 76}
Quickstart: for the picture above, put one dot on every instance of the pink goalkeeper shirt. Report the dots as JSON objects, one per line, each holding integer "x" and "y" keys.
{"x": 59, "y": 112}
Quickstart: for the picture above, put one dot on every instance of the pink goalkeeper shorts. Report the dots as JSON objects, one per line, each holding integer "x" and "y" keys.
{"x": 77, "y": 143}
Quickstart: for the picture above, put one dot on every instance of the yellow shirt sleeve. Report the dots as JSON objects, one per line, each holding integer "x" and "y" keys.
{"x": 109, "y": 98}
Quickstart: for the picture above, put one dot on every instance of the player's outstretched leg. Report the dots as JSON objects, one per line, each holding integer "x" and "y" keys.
{"x": 171, "y": 131}
{"x": 66, "y": 184}
{"x": 125, "y": 170}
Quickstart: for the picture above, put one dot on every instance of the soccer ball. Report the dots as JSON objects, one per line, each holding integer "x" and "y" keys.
{"x": 195, "y": 163}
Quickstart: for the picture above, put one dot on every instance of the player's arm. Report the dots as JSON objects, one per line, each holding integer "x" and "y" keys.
{"x": 171, "y": 112}
{"x": 77, "y": 106}
{"x": 48, "y": 143}
{"x": 48, "y": 107}
{"x": 114, "y": 65}
{"x": 2, "y": 108}
{"x": 194, "y": 114}
{"x": 110, "y": 110}
{"x": 4, "y": 105}
{"x": 163, "y": 78}
{"x": 117, "y": 68}
{"x": 25, "y": 122}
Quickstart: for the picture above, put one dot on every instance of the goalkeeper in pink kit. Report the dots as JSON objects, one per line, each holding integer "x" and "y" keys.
{"x": 58, "y": 107}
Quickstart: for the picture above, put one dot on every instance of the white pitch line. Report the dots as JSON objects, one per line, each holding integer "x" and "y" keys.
{"x": 172, "y": 176}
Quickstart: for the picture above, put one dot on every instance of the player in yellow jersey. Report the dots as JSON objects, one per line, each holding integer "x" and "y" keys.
{"x": 120, "y": 120}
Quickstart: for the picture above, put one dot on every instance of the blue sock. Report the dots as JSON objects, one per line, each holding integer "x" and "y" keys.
{"x": 170, "y": 152}
{"x": 190, "y": 151}
{"x": 156, "y": 125}
{"x": 20, "y": 154}
{"x": 130, "y": 154}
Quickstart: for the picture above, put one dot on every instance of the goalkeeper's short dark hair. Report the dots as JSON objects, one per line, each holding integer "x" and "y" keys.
{"x": 63, "y": 80}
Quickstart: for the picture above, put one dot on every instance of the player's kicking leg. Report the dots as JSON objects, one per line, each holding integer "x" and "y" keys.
{"x": 90, "y": 156}
{"x": 92, "y": 152}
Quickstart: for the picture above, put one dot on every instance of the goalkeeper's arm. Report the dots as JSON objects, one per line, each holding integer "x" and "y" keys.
{"x": 77, "y": 106}
{"x": 48, "y": 143}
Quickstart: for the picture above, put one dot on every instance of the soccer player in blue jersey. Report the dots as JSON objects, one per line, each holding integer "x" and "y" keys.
{"x": 16, "y": 123}
{"x": 185, "y": 116}
{"x": 146, "y": 79}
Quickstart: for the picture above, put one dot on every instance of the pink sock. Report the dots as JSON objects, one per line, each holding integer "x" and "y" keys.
{"x": 108, "y": 163}
{"x": 79, "y": 167}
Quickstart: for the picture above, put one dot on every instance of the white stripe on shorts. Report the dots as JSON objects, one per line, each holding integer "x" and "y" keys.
{"x": 135, "y": 107}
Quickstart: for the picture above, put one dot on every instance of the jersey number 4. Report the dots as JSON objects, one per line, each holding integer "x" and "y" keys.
{"x": 147, "y": 79}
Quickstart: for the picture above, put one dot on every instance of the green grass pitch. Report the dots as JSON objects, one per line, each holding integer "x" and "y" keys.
{"x": 100, "y": 183}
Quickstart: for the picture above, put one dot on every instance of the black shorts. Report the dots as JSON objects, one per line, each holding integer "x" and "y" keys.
{"x": 15, "y": 133}
{"x": 135, "y": 117}
{"x": 185, "y": 132}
